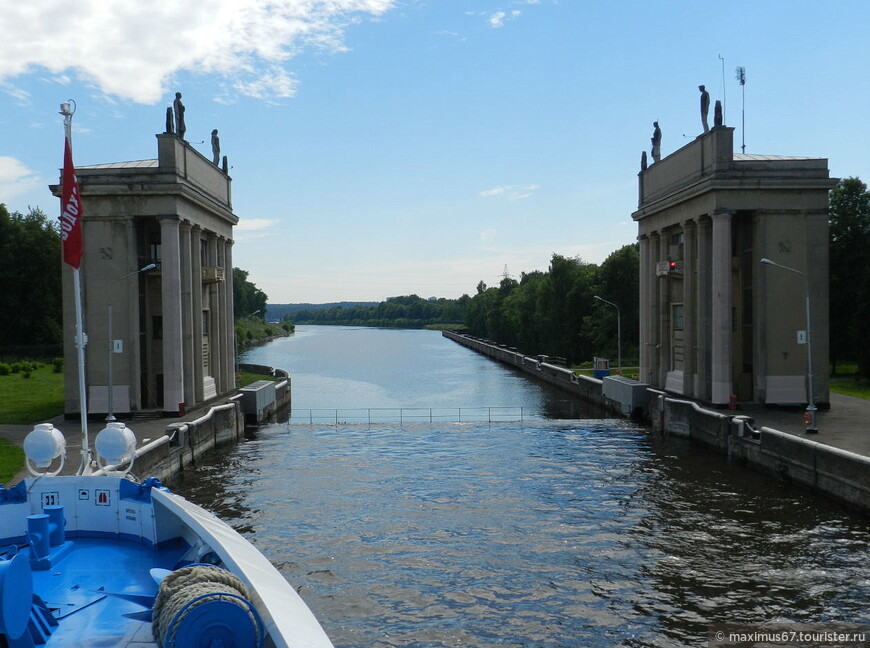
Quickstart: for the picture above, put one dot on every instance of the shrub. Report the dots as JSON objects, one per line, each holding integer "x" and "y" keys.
{"x": 26, "y": 373}
{"x": 5, "y": 369}
{"x": 57, "y": 365}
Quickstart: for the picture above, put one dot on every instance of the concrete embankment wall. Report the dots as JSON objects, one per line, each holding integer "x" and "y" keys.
{"x": 584, "y": 387}
{"x": 842, "y": 475}
{"x": 837, "y": 473}
{"x": 183, "y": 443}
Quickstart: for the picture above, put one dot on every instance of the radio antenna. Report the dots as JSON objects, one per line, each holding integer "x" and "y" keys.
{"x": 741, "y": 78}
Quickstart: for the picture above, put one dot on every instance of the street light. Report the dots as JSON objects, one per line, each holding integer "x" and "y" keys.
{"x": 111, "y": 416}
{"x": 810, "y": 417}
{"x": 618, "y": 333}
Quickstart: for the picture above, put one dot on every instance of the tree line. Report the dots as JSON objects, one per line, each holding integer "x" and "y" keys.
{"x": 849, "y": 294}
{"x": 553, "y": 312}
{"x": 556, "y": 312}
{"x": 408, "y": 311}
{"x": 31, "y": 301}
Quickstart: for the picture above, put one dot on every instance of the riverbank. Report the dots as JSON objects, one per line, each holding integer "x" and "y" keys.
{"x": 835, "y": 462}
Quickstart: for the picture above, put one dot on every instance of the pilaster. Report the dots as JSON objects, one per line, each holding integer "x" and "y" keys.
{"x": 721, "y": 310}
{"x": 173, "y": 344}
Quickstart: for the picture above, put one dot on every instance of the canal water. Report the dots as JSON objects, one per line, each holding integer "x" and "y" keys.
{"x": 542, "y": 533}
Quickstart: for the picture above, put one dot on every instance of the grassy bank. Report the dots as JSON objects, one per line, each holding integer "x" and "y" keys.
{"x": 26, "y": 400}
{"x": 847, "y": 382}
{"x": 11, "y": 460}
{"x": 252, "y": 330}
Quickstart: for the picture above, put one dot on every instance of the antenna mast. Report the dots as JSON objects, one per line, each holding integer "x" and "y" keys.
{"x": 741, "y": 77}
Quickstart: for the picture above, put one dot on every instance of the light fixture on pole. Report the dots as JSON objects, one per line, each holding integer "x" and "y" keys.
{"x": 618, "y": 333}
{"x": 111, "y": 415}
{"x": 810, "y": 416}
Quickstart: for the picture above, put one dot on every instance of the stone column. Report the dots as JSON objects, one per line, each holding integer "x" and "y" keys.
{"x": 173, "y": 346}
{"x": 644, "y": 269}
{"x": 187, "y": 313}
{"x": 220, "y": 339}
{"x": 702, "y": 309}
{"x": 663, "y": 338}
{"x": 196, "y": 310}
{"x": 231, "y": 320}
{"x": 210, "y": 301}
{"x": 720, "y": 359}
{"x": 689, "y": 306}
{"x": 654, "y": 314}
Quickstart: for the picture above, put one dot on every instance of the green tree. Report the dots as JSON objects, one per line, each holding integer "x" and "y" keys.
{"x": 542, "y": 313}
{"x": 247, "y": 298}
{"x": 849, "y": 305}
{"x": 31, "y": 300}
{"x": 617, "y": 283}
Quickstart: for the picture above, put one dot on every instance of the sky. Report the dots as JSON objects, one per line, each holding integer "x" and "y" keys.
{"x": 393, "y": 147}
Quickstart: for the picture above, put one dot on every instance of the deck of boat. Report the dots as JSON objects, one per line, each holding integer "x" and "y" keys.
{"x": 92, "y": 592}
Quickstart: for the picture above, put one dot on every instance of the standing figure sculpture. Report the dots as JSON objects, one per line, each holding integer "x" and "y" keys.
{"x": 717, "y": 114}
{"x": 215, "y": 146}
{"x": 656, "y": 142}
{"x": 178, "y": 107}
{"x": 705, "y": 107}
{"x": 169, "y": 127}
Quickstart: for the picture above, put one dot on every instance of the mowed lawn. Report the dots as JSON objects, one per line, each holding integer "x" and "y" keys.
{"x": 24, "y": 401}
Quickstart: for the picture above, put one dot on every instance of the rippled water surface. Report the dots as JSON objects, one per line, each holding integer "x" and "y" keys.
{"x": 544, "y": 534}
{"x": 583, "y": 533}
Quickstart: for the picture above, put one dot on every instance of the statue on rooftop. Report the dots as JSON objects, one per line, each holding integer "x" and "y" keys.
{"x": 643, "y": 162}
{"x": 178, "y": 107}
{"x": 656, "y": 142}
{"x": 705, "y": 107}
{"x": 717, "y": 114}
{"x": 169, "y": 126}
{"x": 215, "y": 146}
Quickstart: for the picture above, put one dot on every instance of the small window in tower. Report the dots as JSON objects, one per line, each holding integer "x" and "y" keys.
{"x": 677, "y": 316}
{"x": 157, "y": 327}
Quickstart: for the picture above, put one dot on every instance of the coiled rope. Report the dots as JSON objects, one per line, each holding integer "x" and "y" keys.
{"x": 186, "y": 589}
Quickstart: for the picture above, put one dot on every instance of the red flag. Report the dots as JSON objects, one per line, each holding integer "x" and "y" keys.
{"x": 71, "y": 211}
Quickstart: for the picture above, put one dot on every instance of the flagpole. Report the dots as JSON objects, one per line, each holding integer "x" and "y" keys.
{"x": 81, "y": 338}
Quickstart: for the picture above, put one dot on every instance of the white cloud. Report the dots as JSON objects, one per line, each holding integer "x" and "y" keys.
{"x": 22, "y": 97}
{"x": 254, "y": 224}
{"x": 132, "y": 50}
{"x": 497, "y": 19}
{"x": 511, "y": 192}
{"x": 16, "y": 178}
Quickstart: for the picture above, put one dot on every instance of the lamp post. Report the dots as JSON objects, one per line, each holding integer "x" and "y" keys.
{"x": 111, "y": 416}
{"x": 618, "y": 333}
{"x": 810, "y": 417}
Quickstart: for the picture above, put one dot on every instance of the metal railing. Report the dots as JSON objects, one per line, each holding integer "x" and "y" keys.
{"x": 404, "y": 415}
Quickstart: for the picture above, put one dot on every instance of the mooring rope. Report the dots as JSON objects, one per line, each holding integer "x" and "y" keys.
{"x": 183, "y": 586}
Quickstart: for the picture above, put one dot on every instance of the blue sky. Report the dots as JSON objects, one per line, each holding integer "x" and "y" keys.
{"x": 389, "y": 147}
